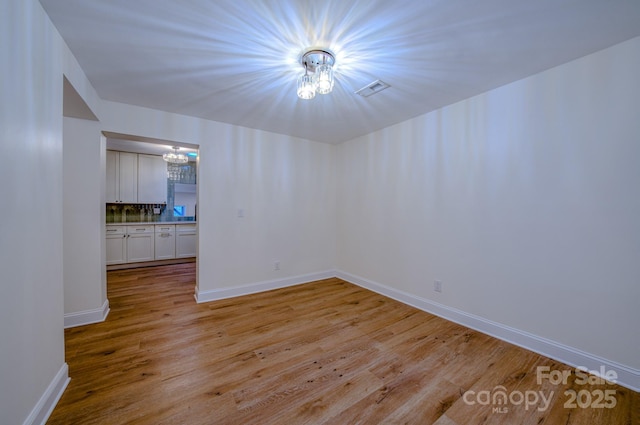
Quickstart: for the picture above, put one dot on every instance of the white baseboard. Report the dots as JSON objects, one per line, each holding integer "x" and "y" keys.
{"x": 49, "y": 399}
{"x": 86, "y": 317}
{"x": 252, "y": 288}
{"x": 627, "y": 377}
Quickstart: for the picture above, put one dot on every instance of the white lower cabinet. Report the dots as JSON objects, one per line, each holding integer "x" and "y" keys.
{"x": 130, "y": 244}
{"x": 140, "y": 244}
{"x": 186, "y": 240}
{"x": 148, "y": 242}
{"x": 165, "y": 241}
{"x": 116, "y": 245}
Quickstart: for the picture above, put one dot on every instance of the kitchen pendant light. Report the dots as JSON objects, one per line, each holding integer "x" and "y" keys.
{"x": 175, "y": 157}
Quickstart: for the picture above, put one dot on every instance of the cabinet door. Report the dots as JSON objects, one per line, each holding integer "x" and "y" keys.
{"x": 113, "y": 177}
{"x": 186, "y": 239}
{"x": 152, "y": 179}
{"x": 165, "y": 242}
{"x": 140, "y": 244}
{"x": 116, "y": 245}
{"x": 128, "y": 177}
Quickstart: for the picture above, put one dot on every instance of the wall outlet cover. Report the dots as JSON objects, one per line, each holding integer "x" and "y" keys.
{"x": 437, "y": 286}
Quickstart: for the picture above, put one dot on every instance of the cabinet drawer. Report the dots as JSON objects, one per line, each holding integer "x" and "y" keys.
{"x": 165, "y": 228}
{"x": 116, "y": 230}
{"x": 139, "y": 229}
{"x": 186, "y": 228}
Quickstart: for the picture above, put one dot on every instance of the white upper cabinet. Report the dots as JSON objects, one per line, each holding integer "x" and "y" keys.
{"x": 122, "y": 177}
{"x": 152, "y": 179}
{"x": 136, "y": 178}
{"x": 128, "y": 177}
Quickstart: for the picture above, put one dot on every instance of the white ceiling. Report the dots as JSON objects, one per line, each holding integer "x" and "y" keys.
{"x": 236, "y": 61}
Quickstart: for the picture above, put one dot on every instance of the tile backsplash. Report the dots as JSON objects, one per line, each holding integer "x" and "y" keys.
{"x": 136, "y": 213}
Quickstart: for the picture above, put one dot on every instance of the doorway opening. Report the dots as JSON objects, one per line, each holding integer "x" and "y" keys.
{"x": 151, "y": 204}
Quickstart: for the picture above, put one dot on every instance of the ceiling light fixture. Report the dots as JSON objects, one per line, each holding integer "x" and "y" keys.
{"x": 319, "y": 63}
{"x": 175, "y": 157}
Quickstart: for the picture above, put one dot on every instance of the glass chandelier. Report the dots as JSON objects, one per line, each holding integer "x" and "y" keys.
{"x": 175, "y": 161}
{"x": 175, "y": 157}
{"x": 320, "y": 63}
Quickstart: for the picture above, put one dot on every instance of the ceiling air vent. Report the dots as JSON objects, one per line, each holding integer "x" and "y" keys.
{"x": 372, "y": 88}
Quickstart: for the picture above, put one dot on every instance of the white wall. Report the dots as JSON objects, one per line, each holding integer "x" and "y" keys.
{"x": 286, "y": 188}
{"x": 85, "y": 289}
{"x": 523, "y": 201}
{"x": 32, "y": 366}
{"x": 284, "y": 185}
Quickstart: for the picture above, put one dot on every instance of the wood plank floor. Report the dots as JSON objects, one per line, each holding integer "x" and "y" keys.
{"x": 326, "y": 352}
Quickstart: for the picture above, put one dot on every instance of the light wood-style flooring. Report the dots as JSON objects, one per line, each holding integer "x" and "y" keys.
{"x": 326, "y": 352}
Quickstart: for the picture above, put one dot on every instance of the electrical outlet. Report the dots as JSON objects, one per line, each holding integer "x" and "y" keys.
{"x": 437, "y": 285}
{"x": 276, "y": 265}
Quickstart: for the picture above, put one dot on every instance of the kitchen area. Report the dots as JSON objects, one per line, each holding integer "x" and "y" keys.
{"x": 151, "y": 204}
